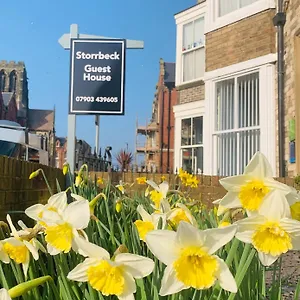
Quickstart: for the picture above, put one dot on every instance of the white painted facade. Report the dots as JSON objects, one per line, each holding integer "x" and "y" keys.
{"x": 264, "y": 69}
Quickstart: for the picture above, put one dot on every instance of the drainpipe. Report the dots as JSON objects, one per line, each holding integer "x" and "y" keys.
{"x": 162, "y": 130}
{"x": 169, "y": 129}
{"x": 279, "y": 22}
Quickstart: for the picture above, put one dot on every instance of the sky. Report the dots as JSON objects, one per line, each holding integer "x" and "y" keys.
{"x": 30, "y": 31}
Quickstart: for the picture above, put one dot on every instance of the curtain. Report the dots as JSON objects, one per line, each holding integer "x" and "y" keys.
{"x": 187, "y": 36}
{"x": 227, "y": 6}
{"x": 188, "y": 66}
{"x": 199, "y": 62}
{"x": 199, "y": 32}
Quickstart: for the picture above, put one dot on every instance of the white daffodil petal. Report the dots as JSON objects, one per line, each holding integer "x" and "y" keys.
{"x": 3, "y": 255}
{"x": 129, "y": 286}
{"x": 162, "y": 243}
{"x": 4, "y": 295}
{"x": 292, "y": 197}
{"x": 13, "y": 229}
{"x": 77, "y": 197}
{"x": 295, "y": 242}
{"x": 267, "y": 259}
{"x": 276, "y": 185}
{"x": 230, "y": 200}
{"x": 226, "y": 280}
{"x": 153, "y": 184}
{"x": 136, "y": 265}
{"x": 290, "y": 225}
{"x": 51, "y": 218}
{"x": 170, "y": 284}
{"x": 188, "y": 214}
{"x": 275, "y": 206}
{"x": 78, "y": 214}
{"x": 188, "y": 235}
{"x": 32, "y": 250}
{"x": 217, "y": 237}
{"x": 145, "y": 215}
{"x": 52, "y": 251}
{"x": 87, "y": 249}
{"x": 164, "y": 187}
{"x": 156, "y": 219}
{"x": 22, "y": 225}
{"x": 79, "y": 273}
{"x": 38, "y": 245}
{"x": 234, "y": 183}
{"x": 25, "y": 265}
{"x": 34, "y": 211}
{"x": 59, "y": 201}
{"x": 13, "y": 241}
{"x": 259, "y": 166}
{"x": 165, "y": 206}
{"x": 245, "y": 236}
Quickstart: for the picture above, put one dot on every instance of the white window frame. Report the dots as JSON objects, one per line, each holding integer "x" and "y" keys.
{"x": 182, "y": 19}
{"x": 265, "y": 65}
{"x": 213, "y": 21}
{"x": 185, "y": 111}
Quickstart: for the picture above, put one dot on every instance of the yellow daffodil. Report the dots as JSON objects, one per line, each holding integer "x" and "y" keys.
{"x": 148, "y": 222}
{"x": 34, "y": 174}
{"x": 19, "y": 249}
{"x": 250, "y": 189}
{"x": 159, "y": 193}
{"x": 141, "y": 180}
{"x": 181, "y": 213}
{"x": 188, "y": 254}
{"x": 110, "y": 276}
{"x": 163, "y": 178}
{"x": 192, "y": 181}
{"x": 183, "y": 175}
{"x": 78, "y": 180}
{"x": 62, "y": 229}
{"x": 220, "y": 210}
{"x": 100, "y": 181}
{"x": 273, "y": 232}
{"x": 118, "y": 206}
{"x": 56, "y": 203}
{"x": 224, "y": 224}
{"x": 66, "y": 168}
{"x": 121, "y": 188}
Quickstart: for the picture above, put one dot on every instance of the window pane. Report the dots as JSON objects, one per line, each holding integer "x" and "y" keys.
{"x": 248, "y": 100}
{"x": 227, "y": 6}
{"x": 188, "y": 66}
{"x": 244, "y": 3}
{"x": 197, "y": 130}
{"x": 199, "y": 32}
{"x": 198, "y": 160}
{"x": 187, "y": 160}
{"x": 199, "y": 63}
{"x": 186, "y": 132}
{"x": 188, "y": 36}
{"x": 225, "y": 105}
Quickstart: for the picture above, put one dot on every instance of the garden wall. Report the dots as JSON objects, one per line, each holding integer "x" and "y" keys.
{"x": 17, "y": 191}
{"x": 209, "y": 188}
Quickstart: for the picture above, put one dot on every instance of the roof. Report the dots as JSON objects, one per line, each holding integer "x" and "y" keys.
{"x": 62, "y": 140}
{"x": 41, "y": 119}
{"x": 199, "y": 2}
{"x": 7, "y": 96}
{"x": 169, "y": 76}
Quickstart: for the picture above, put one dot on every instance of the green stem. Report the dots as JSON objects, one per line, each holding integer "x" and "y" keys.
{"x": 47, "y": 182}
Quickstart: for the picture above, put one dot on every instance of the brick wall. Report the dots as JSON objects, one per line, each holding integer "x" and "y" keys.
{"x": 247, "y": 39}
{"x": 17, "y": 192}
{"x": 292, "y": 59}
{"x": 191, "y": 92}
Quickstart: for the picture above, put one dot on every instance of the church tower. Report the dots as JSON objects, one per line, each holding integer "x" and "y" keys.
{"x": 14, "y": 87}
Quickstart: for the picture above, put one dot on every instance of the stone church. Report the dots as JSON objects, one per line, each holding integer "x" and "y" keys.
{"x": 14, "y": 105}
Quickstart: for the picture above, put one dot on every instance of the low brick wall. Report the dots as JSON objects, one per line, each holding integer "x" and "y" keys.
{"x": 209, "y": 188}
{"x": 17, "y": 192}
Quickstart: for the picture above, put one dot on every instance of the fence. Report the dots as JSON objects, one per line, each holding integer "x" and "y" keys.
{"x": 17, "y": 191}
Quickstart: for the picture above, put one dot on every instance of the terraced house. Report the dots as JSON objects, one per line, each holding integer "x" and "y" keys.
{"x": 226, "y": 77}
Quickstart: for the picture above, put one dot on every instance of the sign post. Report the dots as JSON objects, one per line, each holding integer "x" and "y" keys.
{"x": 97, "y": 79}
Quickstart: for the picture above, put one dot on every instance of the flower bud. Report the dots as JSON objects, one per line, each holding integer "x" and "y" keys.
{"x": 34, "y": 174}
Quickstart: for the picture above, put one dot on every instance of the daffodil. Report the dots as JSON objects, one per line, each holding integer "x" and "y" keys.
{"x": 273, "y": 232}
{"x": 224, "y": 224}
{"x": 141, "y": 180}
{"x": 56, "y": 203}
{"x": 183, "y": 175}
{"x": 118, "y": 206}
{"x": 19, "y": 248}
{"x": 100, "y": 181}
{"x": 250, "y": 189}
{"x": 4, "y": 295}
{"x": 159, "y": 193}
{"x": 62, "y": 229}
{"x": 110, "y": 276}
{"x": 181, "y": 213}
{"x": 192, "y": 181}
{"x": 78, "y": 180}
{"x": 66, "y": 167}
{"x": 188, "y": 254}
{"x": 148, "y": 222}
{"x": 121, "y": 188}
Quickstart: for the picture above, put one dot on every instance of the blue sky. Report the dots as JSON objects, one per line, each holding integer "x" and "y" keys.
{"x": 30, "y": 31}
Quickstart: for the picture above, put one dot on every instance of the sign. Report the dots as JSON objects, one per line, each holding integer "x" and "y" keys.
{"x": 97, "y": 76}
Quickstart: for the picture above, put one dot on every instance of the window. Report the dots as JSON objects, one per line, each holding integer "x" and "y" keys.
{"x": 228, "y": 6}
{"x": 193, "y": 59}
{"x": 237, "y": 124}
{"x": 192, "y": 144}
{"x": 12, "y": 81}
{"x": 2, "y": 81}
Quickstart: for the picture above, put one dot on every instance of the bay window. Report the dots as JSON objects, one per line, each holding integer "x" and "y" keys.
{"x": 192, "y": 144}
{"x": 237, "y": 124}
